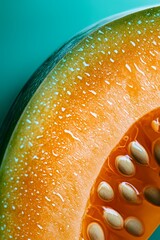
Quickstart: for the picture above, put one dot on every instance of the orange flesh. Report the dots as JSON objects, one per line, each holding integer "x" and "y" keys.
{"x": 145, "y": 175}
{"x": 73, "y": 121}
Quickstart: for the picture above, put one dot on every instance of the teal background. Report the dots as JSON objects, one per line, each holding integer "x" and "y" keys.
{"x": 31, "y": 30}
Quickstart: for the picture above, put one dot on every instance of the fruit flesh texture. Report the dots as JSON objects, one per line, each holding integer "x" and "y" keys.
{"x": 145, "y": 175}
{"x": 73, "y": 121}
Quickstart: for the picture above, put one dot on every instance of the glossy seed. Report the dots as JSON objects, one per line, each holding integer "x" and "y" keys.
{"x": 155, "y": 125}
{"x": 105, "y": 191}
{"x": 128, "y": 192}
{"x": 152, "y": 195}
{"x": 157, "y": 151}
{"x": 95, "y": 231}
{"x": 124, "y": 165}
{"x": 113, "y": 218}
{"x": 138, "y": 152}
{"x": 134, "y": 226}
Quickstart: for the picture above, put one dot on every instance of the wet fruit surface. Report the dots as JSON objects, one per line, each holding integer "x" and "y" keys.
{"x": 76, "y": 117}
{"x": 132, "y": 171}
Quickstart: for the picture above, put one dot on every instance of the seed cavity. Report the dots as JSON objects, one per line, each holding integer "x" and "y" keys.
{"x": 134, "y": 226}
{"x": 156, "y": 150}
{"x": 124, "y": 165}
{"x": 152, "y": 195}
{"x": 113, "y": 218}
{"x": 95, "y": 231}
{"x": 105, "y": 191}
{"x": 138, "y": 152}
{"x": 128, "y": 192}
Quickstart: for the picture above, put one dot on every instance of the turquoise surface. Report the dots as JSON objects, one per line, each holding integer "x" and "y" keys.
{"x": 156, "y": 235}
{"x": 30, "y": 31}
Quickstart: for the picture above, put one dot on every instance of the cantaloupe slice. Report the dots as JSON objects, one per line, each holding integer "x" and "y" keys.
{"x": 51, "y": 182}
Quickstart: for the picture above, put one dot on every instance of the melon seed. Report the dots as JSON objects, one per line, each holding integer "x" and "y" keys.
{"x": 138, "y": 152}
{"x": 95, "y": 231}
{"x": 105, "y": 191}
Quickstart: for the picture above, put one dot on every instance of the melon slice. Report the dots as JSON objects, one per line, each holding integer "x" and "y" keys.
{"x": 61, "y": 156}
{"x": 125, "y": 199}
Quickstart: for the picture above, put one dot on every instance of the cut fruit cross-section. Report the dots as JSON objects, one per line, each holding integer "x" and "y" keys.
{"x": 104, "y": 85}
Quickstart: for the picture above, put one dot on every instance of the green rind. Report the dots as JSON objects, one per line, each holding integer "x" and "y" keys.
{"x": 37, "y": 78}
